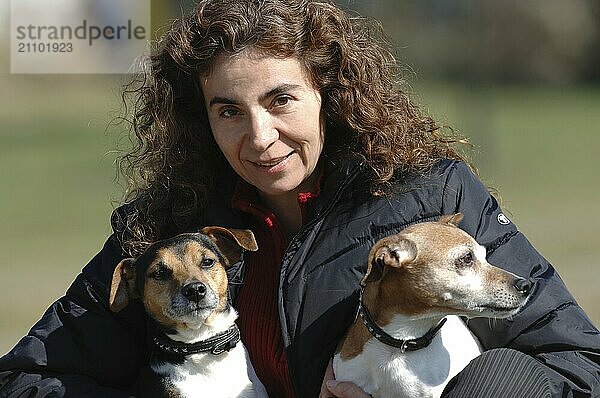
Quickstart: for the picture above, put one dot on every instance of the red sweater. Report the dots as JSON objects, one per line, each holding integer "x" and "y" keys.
{"x": 256, "y": 302}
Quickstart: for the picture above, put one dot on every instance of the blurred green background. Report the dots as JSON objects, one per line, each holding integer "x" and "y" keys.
{"x": 520, "y": 78}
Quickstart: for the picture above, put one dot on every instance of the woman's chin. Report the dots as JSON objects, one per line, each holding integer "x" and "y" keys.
{"x": 276, "y": 185}
{"x": 277, "y": 190}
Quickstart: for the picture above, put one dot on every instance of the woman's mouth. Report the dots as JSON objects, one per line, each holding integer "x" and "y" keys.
{"x": 272, "y": 165}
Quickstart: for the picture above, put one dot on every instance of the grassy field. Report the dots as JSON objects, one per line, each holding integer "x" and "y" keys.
{"x": 537, "y": 146}
{"x": 56, "y": 173}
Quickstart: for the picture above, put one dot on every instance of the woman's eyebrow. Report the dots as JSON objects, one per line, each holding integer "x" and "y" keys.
{"x": 282, "y": 88}
{"x": 222, "y": 100}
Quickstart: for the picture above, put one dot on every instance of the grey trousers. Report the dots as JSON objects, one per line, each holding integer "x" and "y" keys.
{"x": 500, "y": 373}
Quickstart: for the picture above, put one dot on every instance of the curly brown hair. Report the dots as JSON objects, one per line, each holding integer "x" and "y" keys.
{"x": 349, "y": 61}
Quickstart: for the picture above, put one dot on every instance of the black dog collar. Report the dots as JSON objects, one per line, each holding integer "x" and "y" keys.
{"x": 403, "y": 345}
{"x": 215, "y": 345}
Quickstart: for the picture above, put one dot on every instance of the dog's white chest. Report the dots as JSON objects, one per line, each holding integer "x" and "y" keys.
{"x": 227, "y": 376}
{"x": 384, "y": 371}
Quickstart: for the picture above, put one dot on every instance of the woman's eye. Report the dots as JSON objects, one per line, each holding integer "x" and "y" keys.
{"x": 465, "y": 261}
{"x": 207, "y": 263}
{"x": 161, "y": 274}
{"x": 282, "y": 100}
{"x": 228, "y": 113}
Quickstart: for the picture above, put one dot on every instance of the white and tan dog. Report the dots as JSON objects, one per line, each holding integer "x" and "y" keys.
{"x": 183, "y": 285}
{"x": 408, "y": 341}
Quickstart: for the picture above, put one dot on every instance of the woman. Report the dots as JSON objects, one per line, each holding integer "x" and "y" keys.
{"x": 286, "y": 117}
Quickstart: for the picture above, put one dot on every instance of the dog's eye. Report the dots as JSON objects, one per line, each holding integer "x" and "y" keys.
{"x": 161, "y": 274}
{"x": 207, "y": 263}
{"x": 465, "y": 260}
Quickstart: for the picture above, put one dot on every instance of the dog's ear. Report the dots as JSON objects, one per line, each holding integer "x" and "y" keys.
{"x": 391, "y": 252}
{"x": 397, "y": 253}
{"x": 122, "y": 288}
{"x": 231, "y": 242}
{"x": 452, "y": 219}
{"x": 374, "y": 272}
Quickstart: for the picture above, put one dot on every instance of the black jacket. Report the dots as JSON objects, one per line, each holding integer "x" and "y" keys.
{"x": 80, "y": 349}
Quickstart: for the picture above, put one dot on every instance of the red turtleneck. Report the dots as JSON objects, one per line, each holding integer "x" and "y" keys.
{"x": 256, "y": 301}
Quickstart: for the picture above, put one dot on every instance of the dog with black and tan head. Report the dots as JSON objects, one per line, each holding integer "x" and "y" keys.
{"x": 408, "y": 340}
{"x": 182, "y": 282}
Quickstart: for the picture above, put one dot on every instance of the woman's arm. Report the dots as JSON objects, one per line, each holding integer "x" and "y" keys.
{"x": 79, "y": 348}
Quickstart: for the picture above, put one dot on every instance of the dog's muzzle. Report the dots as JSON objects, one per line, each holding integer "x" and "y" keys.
{"x": 523, "y": 286}
{"x": 194, "y": 291}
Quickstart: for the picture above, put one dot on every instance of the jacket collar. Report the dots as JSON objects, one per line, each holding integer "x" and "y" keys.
{"x": 337, "y": 175}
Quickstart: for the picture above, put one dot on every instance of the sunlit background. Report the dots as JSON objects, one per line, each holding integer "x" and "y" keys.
{"x": 521, "y": 78}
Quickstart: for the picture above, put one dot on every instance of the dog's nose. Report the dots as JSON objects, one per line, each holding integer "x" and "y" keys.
{"x": 194, "y": 291}
{"x": 523, "y": 286}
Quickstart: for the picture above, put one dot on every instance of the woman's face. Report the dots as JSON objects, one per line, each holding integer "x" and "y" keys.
{"x": 265, "y": 115}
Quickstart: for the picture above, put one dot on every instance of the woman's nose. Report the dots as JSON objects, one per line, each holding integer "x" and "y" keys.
{"x": 262, "y": 132}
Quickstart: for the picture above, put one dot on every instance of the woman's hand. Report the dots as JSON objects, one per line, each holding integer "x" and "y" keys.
{"x": 331, "y": 388}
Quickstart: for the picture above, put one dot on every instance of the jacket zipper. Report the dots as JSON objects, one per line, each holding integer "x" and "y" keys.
{"x": 287, "y": 258}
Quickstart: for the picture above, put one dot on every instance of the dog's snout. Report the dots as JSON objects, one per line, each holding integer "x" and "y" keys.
{"x": 194, "y": 291}
{"x": 523, "y": 286}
